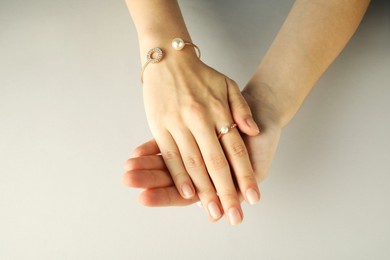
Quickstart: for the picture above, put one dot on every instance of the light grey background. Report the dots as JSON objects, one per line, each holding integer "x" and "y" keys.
{"x": 71, "y": 111}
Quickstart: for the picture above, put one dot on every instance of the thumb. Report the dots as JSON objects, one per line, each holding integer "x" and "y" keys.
{"x": 240, "y": 110}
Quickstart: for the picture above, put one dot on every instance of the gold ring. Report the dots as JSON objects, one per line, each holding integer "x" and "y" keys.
{"x": 224, "y": 130}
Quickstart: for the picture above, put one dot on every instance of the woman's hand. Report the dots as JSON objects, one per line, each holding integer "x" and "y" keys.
{"x": 148, "y": 171}
{"x": 186, "y": 103}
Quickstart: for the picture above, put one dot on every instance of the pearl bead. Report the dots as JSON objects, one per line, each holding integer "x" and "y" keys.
{"x": 178, "y": 44}
{"x": 224, "y": 130}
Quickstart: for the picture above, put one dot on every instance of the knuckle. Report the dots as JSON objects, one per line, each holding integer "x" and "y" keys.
{"x": 238, "y": 150}
{"x": 206, "y": 192}
{"x": 170, "y": 155}
{"x": 228, "y": 196}
{"x": 192, "y": 161}
{"x": 217, "y": 162}
{"x": 195, "y": 112}
{"x": 177, "y": 175}
{"x": 246, "y": 178}
{"x": 194, "y": 108}
{"x": 217, "y": 105}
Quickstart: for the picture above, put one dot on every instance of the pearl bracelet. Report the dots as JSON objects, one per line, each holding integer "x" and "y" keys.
{"x": 177, "y": 44}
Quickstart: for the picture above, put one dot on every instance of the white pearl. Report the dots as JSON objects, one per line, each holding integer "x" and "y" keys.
{"x": 178, "y": 44}
{"x": 224, "y": 130}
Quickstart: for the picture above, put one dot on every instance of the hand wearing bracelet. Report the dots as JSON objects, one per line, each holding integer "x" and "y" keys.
{"x": 194, "y": 113}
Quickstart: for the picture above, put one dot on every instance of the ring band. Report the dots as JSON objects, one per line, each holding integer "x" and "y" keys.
{"x": 224, "y": 130}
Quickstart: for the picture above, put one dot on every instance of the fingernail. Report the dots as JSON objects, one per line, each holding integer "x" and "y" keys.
{"x": 234, "y": 216}
{"x": 252, "y": 196}
{"x": 187, "y": 191}
{"x": 252, "y": 124}
{"x": 214, "y": 210}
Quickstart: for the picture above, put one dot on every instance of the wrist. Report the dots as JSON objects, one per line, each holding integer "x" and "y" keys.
{"x": 172, "y": 57}
{"x": 164, "y": 42}
{"x": 269, "y": 107}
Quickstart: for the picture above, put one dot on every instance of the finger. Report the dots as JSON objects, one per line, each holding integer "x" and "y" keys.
{"x": 196, "y": 169}
{"x": 163, "y": 197}
{"x": 238, "y": 158}
{"x": 147, "y": 179}
{"x": 240, "y": 110}
{"x": 148, "y": 148}
{"x": 173, "y": 161}
{"x": 262, "y": 150}
{"x": 151, "y": 162}
{"x": 218, "y": 169}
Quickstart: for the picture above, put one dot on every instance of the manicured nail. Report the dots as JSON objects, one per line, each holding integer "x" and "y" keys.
{"x": 252, "y": 196}
{"x": 252, "y": 124}
{"x": 234, "y": 216}
{"x": 187, "y": 191}
{"x": 214, "y": 210}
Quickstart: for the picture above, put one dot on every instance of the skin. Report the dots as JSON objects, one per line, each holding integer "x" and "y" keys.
{"x": 186, "y": 102}
{"x": 313, "y": 35}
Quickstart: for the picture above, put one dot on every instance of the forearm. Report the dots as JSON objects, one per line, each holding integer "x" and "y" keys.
{"x": 157, "y": 23}
{"x": 313, "y": 35}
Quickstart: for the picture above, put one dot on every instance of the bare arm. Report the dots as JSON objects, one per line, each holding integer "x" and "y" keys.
{"x": 157, "y": 23}
{"x": 313, "y": 35}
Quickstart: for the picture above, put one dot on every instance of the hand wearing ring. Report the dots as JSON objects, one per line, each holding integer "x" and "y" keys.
{"x": 185, "y": 101}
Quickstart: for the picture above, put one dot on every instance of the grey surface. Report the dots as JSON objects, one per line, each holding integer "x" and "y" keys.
{"x": 71, "y": 111}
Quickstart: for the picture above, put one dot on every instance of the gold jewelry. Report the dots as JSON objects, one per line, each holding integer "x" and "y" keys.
{"x": 177, "y": 43}
{"x": 224, "y": 130}
{"x": 150, "y": 59}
